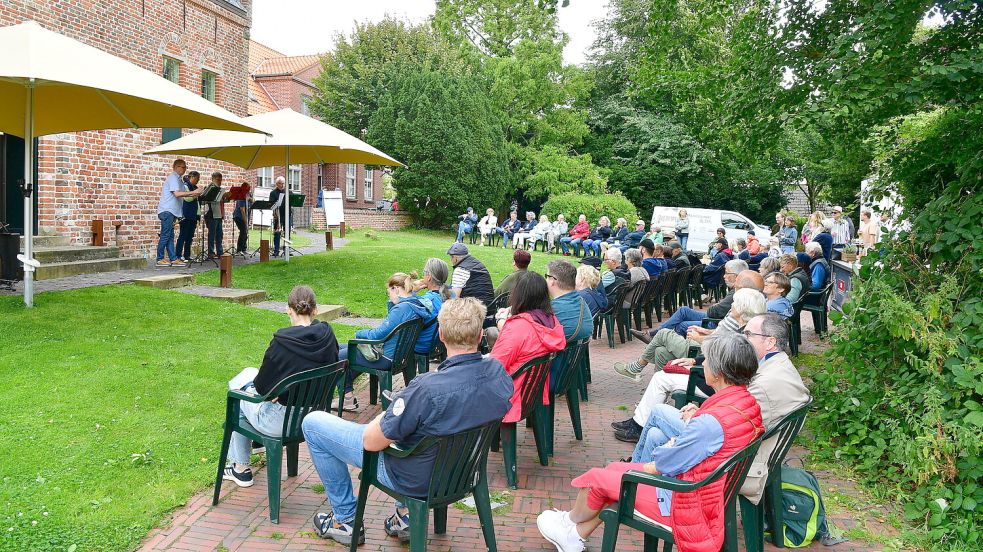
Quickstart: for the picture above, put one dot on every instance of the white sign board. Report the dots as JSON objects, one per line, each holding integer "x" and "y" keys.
{"x": 334, "y": 208}
{"x": 262, "y": 218}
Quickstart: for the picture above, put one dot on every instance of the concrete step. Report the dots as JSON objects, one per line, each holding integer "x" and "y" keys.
{"x": 70, "y": 253}
{"x": 48, "y": 241}
{"x": 166, "y": 281}
{"x": 61, "y": 270}
{"x": 232, "y": 295}
{"x": 327, "y": 313}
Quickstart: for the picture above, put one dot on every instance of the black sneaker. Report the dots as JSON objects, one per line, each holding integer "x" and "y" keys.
{"x": 398, "y": 526}
{"x": 327, "y": 527}
{"x": 644, "y": 337}
{"x": 242, "y": 479}
{"x": 623, "y": 424}
{"x": 629, "y": 435}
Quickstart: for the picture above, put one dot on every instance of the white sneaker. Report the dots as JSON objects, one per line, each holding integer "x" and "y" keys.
{"x": 556, "y": 527}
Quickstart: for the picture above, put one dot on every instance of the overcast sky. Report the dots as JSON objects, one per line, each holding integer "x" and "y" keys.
{"x": 298, "y": 27}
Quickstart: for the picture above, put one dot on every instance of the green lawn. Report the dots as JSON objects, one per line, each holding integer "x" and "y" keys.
{"x": 113, "y": 400}
{"x": 355, "y": 275}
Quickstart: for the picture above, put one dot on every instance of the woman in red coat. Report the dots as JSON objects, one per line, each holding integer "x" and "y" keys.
{"x": 726, "y": 423}
{"x": 528, "y": 329}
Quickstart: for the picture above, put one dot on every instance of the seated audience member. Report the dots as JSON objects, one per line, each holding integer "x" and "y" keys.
{"x": 569, "y": 308}
{"x": 818, "y": 266}
{"x": 800, "y": 281}
{"x": 600, "y": 233}
{"x": 655, "y": 234}
{"x": 652, "y": 259}
{"x": 519, "y": 239}
{"x": 539, "y": 232}
{"x": 589, "y": 288}
{"x": 403, "y": 305}
{"x": 510, "y": 228}
{"x": 768, "y": 266}
{"x": 612, "y": 260}
{"x": 679, "y": 258}
{"x": 747, "y": 255}
{"x": 466, "y": 223}
{"x": 634, "y": 237}
{"x": 618, "y": 235}
{"x": 788, "y": 236}
{"x": 725, "y": 424}
{"x": 713, "y": 272}
{"x": 520, "y": 263}
{"x": 557, "y": 230}
{"x": 633, "y": 260}
{"x": 307, "y": 344}
{"x": 526, "y": 330}
{"x": 667, "y": 347}
{"x": 776, "y": 386}
{"x": 434, "y": 281}
{"x": 753, "y": 245}
{"x": 578, "y": 234}
{"x": 774, "y": 251}
{"x": 721, "y": 234}
{"x": 471, "y": 278}
{"x": 487, "y": 226}
{"x": 739, "y": 246}
{"x": 465, "y": 392}
{"x": 777, "y": 287}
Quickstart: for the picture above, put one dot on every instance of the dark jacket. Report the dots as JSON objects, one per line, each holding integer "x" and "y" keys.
{"x": 511, "y": 226}
{"x": 274, "y": 196}
{"x": 296, "y": 349}
{"x": 595, "y": 299}
{"x": 714, "y": 272}
{"x": 618, "y": 236}
{"x": 803, "y": 278}
{"x": 679, "y": 261}
{"x": 189, "y": 209}
{"x": 529, "y": 225}
{"x": 825, "y": 239}
{"x": 633, "y": 238}
{"x": 407, "y": 309}
{"x": 721, "y": 308}
{"x": 600, "y": 233}
{"x": 752, "y": 259}
{"x": 479, "y": 283}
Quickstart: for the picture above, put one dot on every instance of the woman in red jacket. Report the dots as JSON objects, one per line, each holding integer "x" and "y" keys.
{"x": 726, "y": 423}
{"x": 528, "y": 329}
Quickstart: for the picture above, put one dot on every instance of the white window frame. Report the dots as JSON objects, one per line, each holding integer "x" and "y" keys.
{"x": 264, "y": 177}
{"x": 351, "y": 191}
{"x": 294, "y": 177}
{"x": 367, "y": 188}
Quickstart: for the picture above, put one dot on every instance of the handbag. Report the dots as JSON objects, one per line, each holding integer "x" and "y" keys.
{"x": 371, "y": 352}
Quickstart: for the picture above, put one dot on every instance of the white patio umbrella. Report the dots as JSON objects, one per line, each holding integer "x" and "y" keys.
{"x": 291, "y": 138}
{"x": 50, "y": 83}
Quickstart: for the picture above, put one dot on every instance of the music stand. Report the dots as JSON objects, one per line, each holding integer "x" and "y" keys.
{"x": 260, "y": 205}
{"x": 296, "y": 200}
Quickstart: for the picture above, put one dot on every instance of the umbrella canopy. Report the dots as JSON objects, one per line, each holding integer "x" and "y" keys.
{"x": 77, "y": 87}
{"x": 292, "y": 139}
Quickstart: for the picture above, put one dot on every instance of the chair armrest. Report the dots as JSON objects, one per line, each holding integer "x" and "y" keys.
{"x": 399, "y": 452}
{"x": 635, "y": 477}
{"x": 353, "y": 342}
{"x": 248, "y": 397}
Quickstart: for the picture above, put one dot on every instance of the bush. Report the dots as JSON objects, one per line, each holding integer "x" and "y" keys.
{"x": 613, "y": 206}
{"x": 900, "y": 397}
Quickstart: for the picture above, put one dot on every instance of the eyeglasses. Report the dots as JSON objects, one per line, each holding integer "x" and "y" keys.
{"x": 748, "y": 334}
{"x": 551, "y": 276}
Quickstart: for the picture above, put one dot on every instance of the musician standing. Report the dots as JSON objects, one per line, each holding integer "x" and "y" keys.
{"x": 239, "y": 217}
{"x": 169, "y": 210}
{"x": 189, "y": 217}
{"x": 279, "y": 200}
{"x": 215, "y": 216}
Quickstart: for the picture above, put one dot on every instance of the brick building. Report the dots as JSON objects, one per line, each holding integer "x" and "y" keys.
{"x": 277, "y": 82}
{"x": 200, "y": 44}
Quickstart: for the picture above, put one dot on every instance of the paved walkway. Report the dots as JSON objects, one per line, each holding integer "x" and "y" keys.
{"x": 240, "y": 521}
{"x": 127, "y": 276}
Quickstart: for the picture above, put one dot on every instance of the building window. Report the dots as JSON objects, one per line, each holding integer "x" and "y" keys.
{"x": 367, "y": 193}
{"x": 305, "y": 104}
{"x": 293, "y": 178}
{"x": 350, "y": 191}
{"x": 208, "y": 85}
{"x": 264, "y": 177}
{"x": 320, "y": 177}
{"x": 171, "y": 72}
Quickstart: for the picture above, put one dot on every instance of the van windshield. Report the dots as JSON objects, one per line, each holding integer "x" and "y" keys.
{"x": 733, "y": 222}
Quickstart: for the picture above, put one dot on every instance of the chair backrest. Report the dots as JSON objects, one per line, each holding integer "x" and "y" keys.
{"x": 305, "y": 392}
{"x": 682, "y": 280}
{"x": 405, "y": 335}
{"x": 459, "y": 462}
{"x": 735, "y": 468}
{"x": 784, "y": 432}
{"x": 696, "y": 275}
{"x": 571, "y": 357}
{"x": 634, "y": 293}
{"x": 652, "y": 289}
{"x": 500, "y": 302}
{"x": 616, "y": 296}
{"x": 535, "y": 371}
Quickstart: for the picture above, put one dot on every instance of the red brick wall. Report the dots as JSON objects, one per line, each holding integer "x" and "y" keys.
{"x": 102, "y": 174}
{"x": 377, "y": 220}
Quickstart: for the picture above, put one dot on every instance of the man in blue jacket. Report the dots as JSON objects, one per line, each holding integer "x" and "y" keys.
{"x": 466, "y": 224}
{"x": 633, "y": 238}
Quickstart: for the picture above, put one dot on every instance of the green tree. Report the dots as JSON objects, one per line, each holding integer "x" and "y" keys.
{"x": 442, "y": 126}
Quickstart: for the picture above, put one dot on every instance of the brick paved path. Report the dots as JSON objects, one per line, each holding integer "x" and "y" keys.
{"x": 240, "y": 521}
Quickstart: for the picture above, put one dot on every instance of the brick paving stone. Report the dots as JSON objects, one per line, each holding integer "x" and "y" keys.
{"x": 240, "y": 521}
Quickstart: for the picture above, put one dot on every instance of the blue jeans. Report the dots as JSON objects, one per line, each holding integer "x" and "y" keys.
{"x": 683, "y": 318}
{"x": 592, "y": 246}
{"x": 215, "y": 236}
{"x": 567, "y": 241}
{"x": 462, "y": 229}
{"x": 506, "y": 236}
{"x": 166, "y": 236}
{"x": 683, "y": 240}
{"x": 336, "y": 444}
{"x": 663, "y": 424}
{"x": 382, "y": 363}
{"x": 266, "y": 417}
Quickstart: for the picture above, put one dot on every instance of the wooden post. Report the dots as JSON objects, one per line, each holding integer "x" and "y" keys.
{"x": 328, "y": 241}
{"x": 98, "y": 238}
{"x": 341, "y": 233}
{"x": 225, "y": 270}
{"x": 264, "y": 251}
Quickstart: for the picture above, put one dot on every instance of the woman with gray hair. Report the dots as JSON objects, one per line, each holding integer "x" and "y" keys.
{"x": 633, "y": 258}
{"x": 727, "y": 422}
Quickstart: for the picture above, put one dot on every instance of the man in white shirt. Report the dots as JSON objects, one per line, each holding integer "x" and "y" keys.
{"x": 168, "y": 211}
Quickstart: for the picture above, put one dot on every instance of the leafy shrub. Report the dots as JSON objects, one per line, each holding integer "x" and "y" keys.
{"x": 572, "y": 206}
{"x": 902, "y": 393}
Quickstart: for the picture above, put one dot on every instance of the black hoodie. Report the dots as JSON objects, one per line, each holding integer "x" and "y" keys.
{"x": 296, "y": 349}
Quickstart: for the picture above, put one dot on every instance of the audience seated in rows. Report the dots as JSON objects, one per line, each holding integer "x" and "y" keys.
{"x": 634, "y": 237}
{"x": 598, "y": 235}
{"x": 558, "y": 228}
{"x": 800, "y": 281}
{"x": 466, "y": 223}
{"x": 653, "y": 260}
{"x": 578, "y": 234}
{"x": 618, "y": 235}
{"x": 539, "y": 232}
{"x": 713, "y": 271}
{"x": 520, "y": 237}
{"x": 510, "y": 228}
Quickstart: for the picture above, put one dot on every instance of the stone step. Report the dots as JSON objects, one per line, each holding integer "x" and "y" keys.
{"x": 71, "y": 253}
{"x": 327, "y": 313}
{"x": 232, "y": 295}
{"x": 48, "y": 241}
{"x": 166, "y": 281}
{"x": 61, "y": 270}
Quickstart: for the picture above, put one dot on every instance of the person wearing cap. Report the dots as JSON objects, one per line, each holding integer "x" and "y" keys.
{"x": 466, "y": 224}
{"x": 470, "y": 278}
{"x": 679, "y": 258}
{"x": 842, "y": 230}
{"x": 520, "y": 263}
{"x": 652, "y": 259}
{"x": 635, "y": 237}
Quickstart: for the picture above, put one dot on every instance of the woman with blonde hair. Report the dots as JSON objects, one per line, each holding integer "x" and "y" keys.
{"x": 682, "y": 228}
{"x": 812, "y": 227}
{"x": 588, "y": 279}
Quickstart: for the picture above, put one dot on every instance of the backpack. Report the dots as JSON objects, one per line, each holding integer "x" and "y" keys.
{"x": 803, "y": 513}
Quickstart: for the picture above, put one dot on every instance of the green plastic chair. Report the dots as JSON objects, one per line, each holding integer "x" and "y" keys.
{"x": 623, "y": 512}
{"x": 422, "y": 360}
{"x": 682, "y": 398}
{"x": 406, "y": 335}
{"x": 633, "y": 297}
{"x": 695, "y": 288}
{"x": 500, "y": 302}
{"x": 655, "y": 299}
{"x": 817, "y": 302}
{"x": 753, "y": 515}
{"x": 459, "y": 470}
{"x": 537, "y": 371}
{"x": 569, "y": 385}
{"x": 616, "y": 296}
{"x": 306, "y": 392}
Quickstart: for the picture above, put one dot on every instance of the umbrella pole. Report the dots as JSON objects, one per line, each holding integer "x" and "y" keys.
{"x": 286, "y": 176}
{"x": 28, "y": 202}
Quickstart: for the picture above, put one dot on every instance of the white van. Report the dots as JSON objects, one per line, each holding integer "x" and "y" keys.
{"x": 703, "y": 224}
